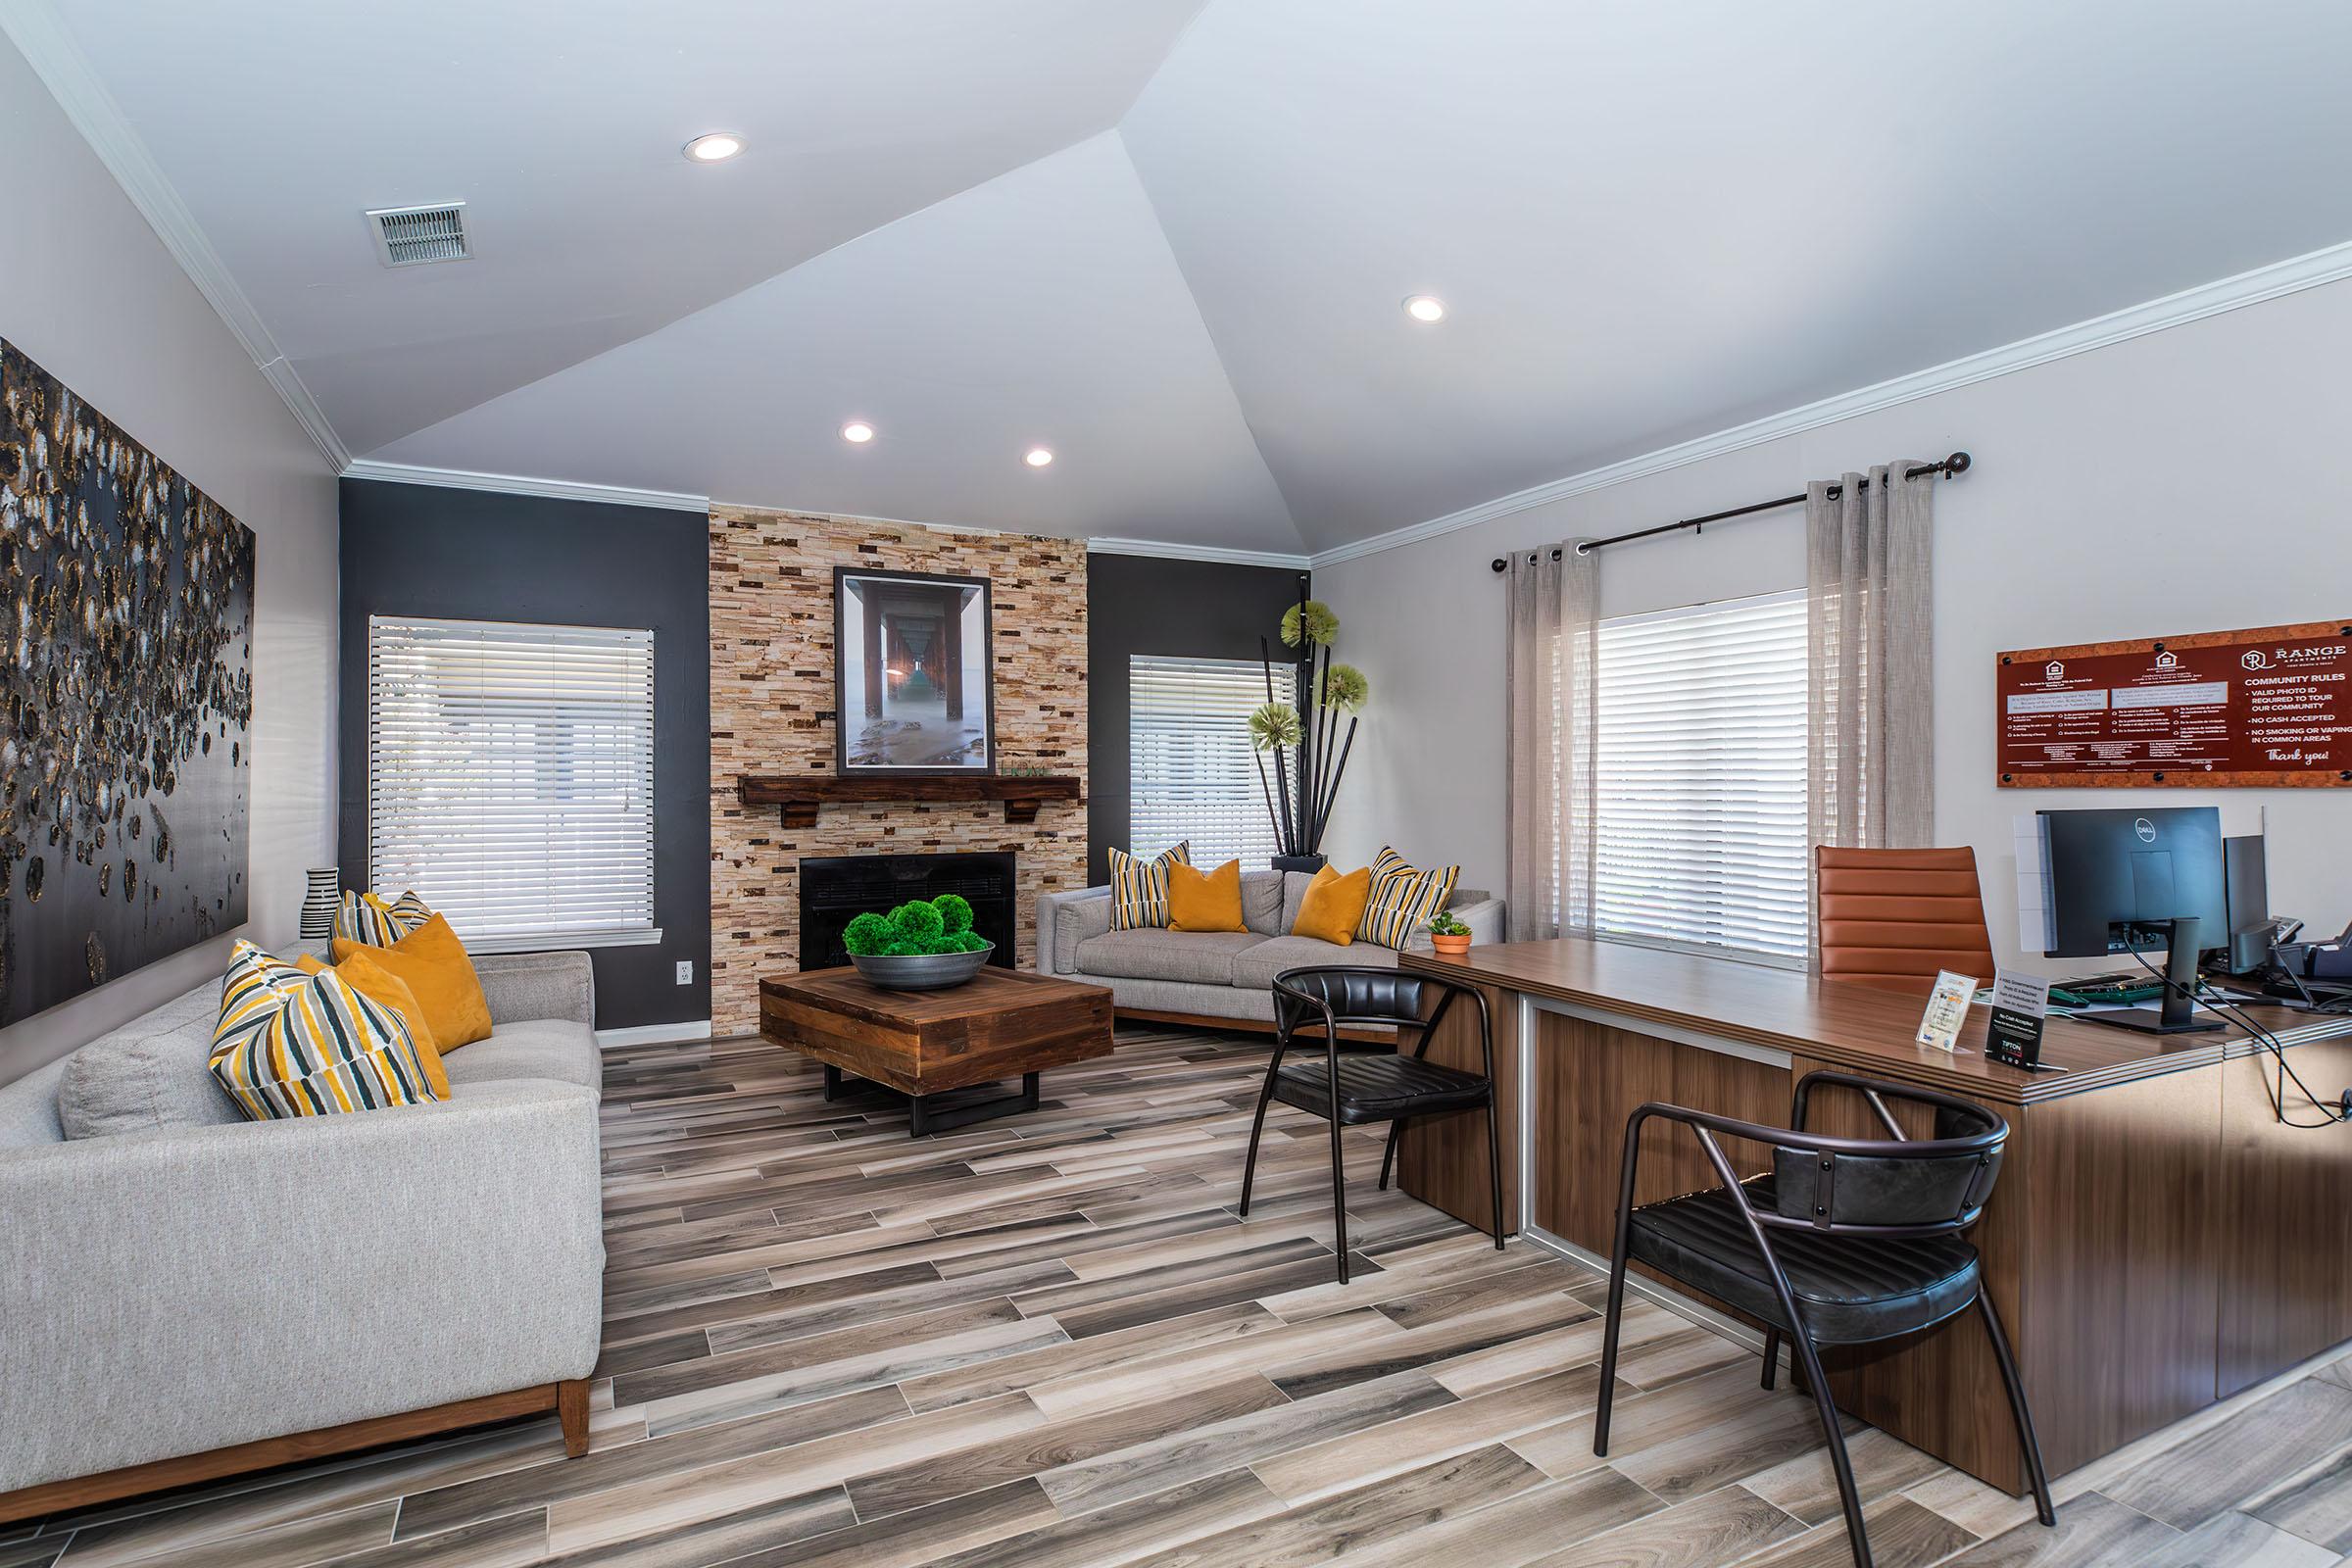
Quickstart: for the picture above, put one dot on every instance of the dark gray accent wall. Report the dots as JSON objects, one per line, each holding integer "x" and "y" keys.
{"x": 1177, "y": 609}
{"x": 466, "y": 555}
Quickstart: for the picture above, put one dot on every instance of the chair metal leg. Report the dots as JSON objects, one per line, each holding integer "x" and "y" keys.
{"x": 1338, "y": 1198}
{"x": 2026, "y": 1437}
{"x": 1265, "y": 1098}
{"x": 1857, "y": 1535}
{"x": 1495, "y": 1166}
{"x": 1772, "y": 1355}
{"x": 1387, "y": 1160}
{"x": 1608, "y": 1348}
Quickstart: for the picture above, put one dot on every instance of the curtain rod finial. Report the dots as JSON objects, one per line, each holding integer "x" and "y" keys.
{"x": 1956, "y": 464}
{"x": 1499, "y": 564}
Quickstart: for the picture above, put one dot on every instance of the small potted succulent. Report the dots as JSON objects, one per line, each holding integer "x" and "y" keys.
{"x": 926, "y": 945}
{"x": 1448, "y": 935}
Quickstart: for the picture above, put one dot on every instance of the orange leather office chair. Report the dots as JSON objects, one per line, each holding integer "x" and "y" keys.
{"x": 1892, "y": 919}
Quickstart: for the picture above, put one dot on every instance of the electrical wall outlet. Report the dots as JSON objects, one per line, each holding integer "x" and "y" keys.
{"x": 685, "y": 971}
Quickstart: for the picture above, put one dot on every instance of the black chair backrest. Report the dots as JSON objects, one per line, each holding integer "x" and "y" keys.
{"x": 1919, "y": 1186}
{"x": 1354, "y": 993}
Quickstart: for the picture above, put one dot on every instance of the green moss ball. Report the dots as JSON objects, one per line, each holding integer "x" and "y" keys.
{"x": 917, "y": 922}
{"x": 954, "y": 912}
{"x": 866, "y": 935}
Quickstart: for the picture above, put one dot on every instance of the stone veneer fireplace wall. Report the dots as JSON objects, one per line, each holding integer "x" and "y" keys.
{"x": 771, "y": 711}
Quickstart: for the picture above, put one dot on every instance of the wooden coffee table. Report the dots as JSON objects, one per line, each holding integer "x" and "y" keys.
{"x": 1002, "y": 1023}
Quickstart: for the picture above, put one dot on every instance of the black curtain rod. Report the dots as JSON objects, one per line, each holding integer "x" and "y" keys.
{"x": 1956, "y": 464}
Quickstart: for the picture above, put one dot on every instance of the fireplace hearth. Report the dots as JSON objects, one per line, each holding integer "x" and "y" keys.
{"x": 837, "y": 888}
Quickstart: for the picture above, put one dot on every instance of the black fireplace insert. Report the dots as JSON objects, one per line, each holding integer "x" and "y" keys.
{"x": 837, "y": 888}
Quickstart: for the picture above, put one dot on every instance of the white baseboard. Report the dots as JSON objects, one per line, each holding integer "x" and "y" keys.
{"x": 653, "y": 1034}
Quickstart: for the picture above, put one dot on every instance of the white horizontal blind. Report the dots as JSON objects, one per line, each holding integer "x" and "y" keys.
{"x": 1700, "y": 770}
{"x": 1191, "y": 774}
{"x": 510, "y": 776}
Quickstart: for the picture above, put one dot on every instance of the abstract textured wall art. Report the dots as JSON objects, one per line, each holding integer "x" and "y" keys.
{"x": 127, "y": 679}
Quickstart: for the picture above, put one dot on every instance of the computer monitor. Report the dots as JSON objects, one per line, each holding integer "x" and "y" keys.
{"x": 2133, "y": 881}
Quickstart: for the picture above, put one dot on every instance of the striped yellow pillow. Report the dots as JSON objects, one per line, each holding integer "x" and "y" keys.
{"x": 1402, "y": 899}
{"x": 290, "y": 1043}
{"x": 1139, "y": 888}
{"x": 366, "y": 918}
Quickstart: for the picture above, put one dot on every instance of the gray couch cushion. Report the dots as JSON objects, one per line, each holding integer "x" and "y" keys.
{"x": 28, "y": 1109}
{"x": 1202, "y": 957}
{"x": 1179, "y": 996}
{"x": 1077, "y": 920}
{"x": 1256, "y": 968}
{"x": 542, "y": 1048}
{"x": 1261, "y": 902}
{"x": 132, "y": 1082}
{"x": 1294, "y": 893}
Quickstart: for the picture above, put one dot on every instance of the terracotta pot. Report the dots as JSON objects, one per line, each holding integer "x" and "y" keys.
{"x": 1450, "y": 946}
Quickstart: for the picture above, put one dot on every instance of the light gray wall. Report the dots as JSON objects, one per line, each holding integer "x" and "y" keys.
{"x": 2195, "y": 479}
{"x": 88, "y": 291}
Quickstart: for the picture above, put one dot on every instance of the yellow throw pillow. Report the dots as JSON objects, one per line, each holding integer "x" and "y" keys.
{"x": 1404, "y": 898}
{"x": 290, "y": 1043}
{"x": 1334, "y": 905}
{"x": 432, "y": 963}
{"x": 366, "y": 918}
{"x": 1139, "y": 888}
{"x": 381, "y": 985}
{"x": 1205, "y": 901}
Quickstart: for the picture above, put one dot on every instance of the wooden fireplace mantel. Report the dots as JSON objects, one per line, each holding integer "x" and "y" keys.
{"x": 799, "y": 795}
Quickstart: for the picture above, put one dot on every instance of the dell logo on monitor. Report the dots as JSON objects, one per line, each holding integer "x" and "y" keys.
{"x": 2145, "y": 828}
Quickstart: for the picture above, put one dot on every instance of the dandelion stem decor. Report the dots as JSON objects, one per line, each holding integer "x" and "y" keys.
{"x": 1311, "y": 754}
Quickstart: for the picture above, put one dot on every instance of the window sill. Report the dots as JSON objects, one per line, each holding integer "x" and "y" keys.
{"x": 1703, "y": 949}
{"x": 642, "y": 936}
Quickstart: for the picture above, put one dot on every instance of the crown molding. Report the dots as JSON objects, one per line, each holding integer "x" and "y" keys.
{"x": 41, "y": 37}
{"x": 2310, "y": 271}
{"x": 515, "y": 484}
{"x": 1213, "y": 553}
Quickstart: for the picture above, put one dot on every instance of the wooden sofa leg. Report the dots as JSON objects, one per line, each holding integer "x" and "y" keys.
{"x": 571, "y": 1410}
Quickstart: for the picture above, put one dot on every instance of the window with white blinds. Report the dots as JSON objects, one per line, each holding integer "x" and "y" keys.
{"x": 511, "y": 778}
{"x": 1699, "y": 754}
{"x": 1190, "y": 773}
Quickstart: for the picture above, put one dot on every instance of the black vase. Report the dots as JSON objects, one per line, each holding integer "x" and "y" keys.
{"x": 1298, "y": 863}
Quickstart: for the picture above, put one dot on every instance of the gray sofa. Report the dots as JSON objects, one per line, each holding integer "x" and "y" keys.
{"x": 188, "y": 1280}
{"x": 1214, "y": 974}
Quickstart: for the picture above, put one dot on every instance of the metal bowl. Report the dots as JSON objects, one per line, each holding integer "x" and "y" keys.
{"x": 924, "y": 971}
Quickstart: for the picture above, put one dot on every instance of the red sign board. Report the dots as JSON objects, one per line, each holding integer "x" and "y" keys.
{"x": 2270, "y": 707}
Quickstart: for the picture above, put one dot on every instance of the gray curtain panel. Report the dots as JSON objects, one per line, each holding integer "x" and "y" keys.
{"x": 1553, "y": 648}
{"x": 1869, "y": 557}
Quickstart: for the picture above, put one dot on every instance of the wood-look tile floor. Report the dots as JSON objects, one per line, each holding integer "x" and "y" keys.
{"x": 1049, "y": 1341}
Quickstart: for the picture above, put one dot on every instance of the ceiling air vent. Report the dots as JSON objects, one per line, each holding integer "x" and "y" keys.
{"x": 410, "y": 236}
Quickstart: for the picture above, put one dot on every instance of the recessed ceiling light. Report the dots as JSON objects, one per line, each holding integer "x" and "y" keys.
{"x": 715, "y": 148}
{"x": 858, "y": 432}
{"x": 1425, "y": 308}
{"x": 1037, "y": 456}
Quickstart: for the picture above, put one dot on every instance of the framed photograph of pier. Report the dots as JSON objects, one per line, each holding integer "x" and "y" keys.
{"x": 912, "y": 682}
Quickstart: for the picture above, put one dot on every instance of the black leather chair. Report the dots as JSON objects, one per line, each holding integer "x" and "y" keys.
{"x": 1846, "y": 1241}
{"x": 1388, "y": 1086}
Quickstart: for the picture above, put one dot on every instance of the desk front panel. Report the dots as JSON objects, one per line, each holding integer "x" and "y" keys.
{"x": 1590, "y": 1077}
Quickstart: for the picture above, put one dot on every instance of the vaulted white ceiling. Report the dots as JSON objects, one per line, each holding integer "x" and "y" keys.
{"x": 1169, "y": 239}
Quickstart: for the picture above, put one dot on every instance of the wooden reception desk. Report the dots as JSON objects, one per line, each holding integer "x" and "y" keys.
{"x": 2157, "y": 1241}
